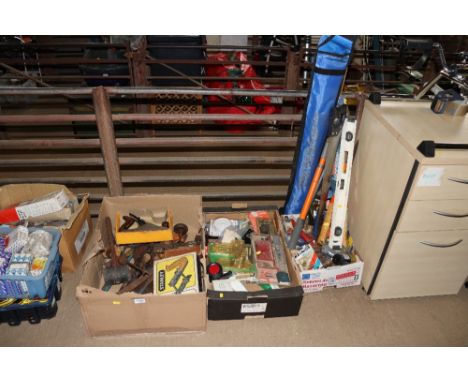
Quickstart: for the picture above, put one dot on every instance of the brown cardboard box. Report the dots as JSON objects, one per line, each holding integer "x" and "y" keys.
{"x": 75, "y": 233}
{"x": 281, "y": 302}
{"x": 107, "y": 313}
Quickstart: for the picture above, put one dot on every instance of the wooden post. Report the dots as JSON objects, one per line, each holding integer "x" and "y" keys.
{"x": 105, "y": 127}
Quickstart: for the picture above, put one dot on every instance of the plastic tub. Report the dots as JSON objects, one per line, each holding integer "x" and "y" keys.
{"x": 16, "y": 311}
{"x": 32, "y": 286}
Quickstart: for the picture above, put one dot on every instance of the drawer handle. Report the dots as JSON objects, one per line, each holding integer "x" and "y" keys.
{"x": 449, "y": 215}
{"x": 441, "y": 245}
{"x": 458, "y": 180}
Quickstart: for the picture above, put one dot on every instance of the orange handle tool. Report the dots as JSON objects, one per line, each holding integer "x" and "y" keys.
{"x": 308, "y": 200}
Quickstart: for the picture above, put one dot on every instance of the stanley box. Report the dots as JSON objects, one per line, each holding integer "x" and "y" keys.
{"x": 75, "y": 232}
{"x": 107, "y": 313}
{"x": 267, "y": 303}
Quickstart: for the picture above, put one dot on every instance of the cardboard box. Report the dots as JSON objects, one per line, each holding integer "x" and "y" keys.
{"x": 266, "y": 303}
{"x": 339, "y": 276}
{"x": 75, "y": 233}
{"x": 107, "y": 313}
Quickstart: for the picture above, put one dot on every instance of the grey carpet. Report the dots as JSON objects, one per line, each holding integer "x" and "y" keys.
{"x": 334, "y": 317}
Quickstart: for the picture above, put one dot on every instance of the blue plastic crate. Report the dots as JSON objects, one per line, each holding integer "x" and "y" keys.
{"x": 32, "y": 286}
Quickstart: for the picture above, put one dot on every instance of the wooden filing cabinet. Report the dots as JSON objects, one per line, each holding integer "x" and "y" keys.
{"x": 408, "y": 207}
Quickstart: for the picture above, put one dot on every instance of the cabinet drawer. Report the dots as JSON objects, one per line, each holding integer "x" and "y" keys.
{"x": 440, "y": 183}
{"x": 434, "y": 215}
{"x": 412, "y": 268}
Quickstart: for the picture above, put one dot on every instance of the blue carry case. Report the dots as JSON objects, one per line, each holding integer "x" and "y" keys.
{"x": 333, "y": 55}
{"x": 14, "y": 311}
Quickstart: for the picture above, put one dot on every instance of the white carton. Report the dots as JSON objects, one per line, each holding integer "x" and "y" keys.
{"x": 339, "y": 276}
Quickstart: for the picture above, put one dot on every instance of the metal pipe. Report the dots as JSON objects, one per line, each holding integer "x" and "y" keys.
{"x": 162, "y": 142}
{"x": 156, "y": 179}
{"x": 45, "y": 118}
{"x": 48, "y": 144}
{"x": 207, "y": 117}
{"x": 87, "y": 61}
{"x": 96, "y": 45}
{"x": 193, "y": 91}
{"x": 101, "y": 45}
{"x": 219, "y": 196}
{"x": 147, "y": 161}
{"x": 14, "y": 90}
{"x": 107, "y": 138}
{"x": 74, "y": 78}
{"x": 58, "y": 118}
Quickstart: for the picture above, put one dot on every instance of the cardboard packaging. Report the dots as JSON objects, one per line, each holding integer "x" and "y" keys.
{"x": 75, "y": 233}
{"x": 107, "y": 313}
{"x": 339, "y": 276}
{"x": 265, "y": 303}
{"x": 176, "y": 275}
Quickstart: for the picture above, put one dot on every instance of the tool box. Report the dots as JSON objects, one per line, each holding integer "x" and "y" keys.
{"x": 236, "y": 304}
{"x": 111, "y": 313}
{"x": 27, "y": 286}
{"x": 75, "y": 232}
{"x": 14, "y": 311}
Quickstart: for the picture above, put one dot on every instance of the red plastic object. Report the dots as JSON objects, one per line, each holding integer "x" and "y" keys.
{"x": 214, "y": 269}
{"x": 261, "y": 105}
{"x": 9, "y": 215}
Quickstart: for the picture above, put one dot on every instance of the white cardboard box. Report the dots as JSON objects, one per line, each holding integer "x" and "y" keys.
{"x": 339, "y": 276}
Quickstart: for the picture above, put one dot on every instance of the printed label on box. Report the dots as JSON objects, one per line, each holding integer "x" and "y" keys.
{"x": 139, "y": 300}
{"x": 81, "y": 238}
{"x": 43, "y": 207}
{"x": 259, "y": 307}
{"x": 339, "y": 277}
{"x": 430, "y": 177}
{"x": 346, "y": 275}
{"x": 309, "y": 276}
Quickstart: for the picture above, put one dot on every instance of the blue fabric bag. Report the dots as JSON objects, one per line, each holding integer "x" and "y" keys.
{"x": 332, "y": 58}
